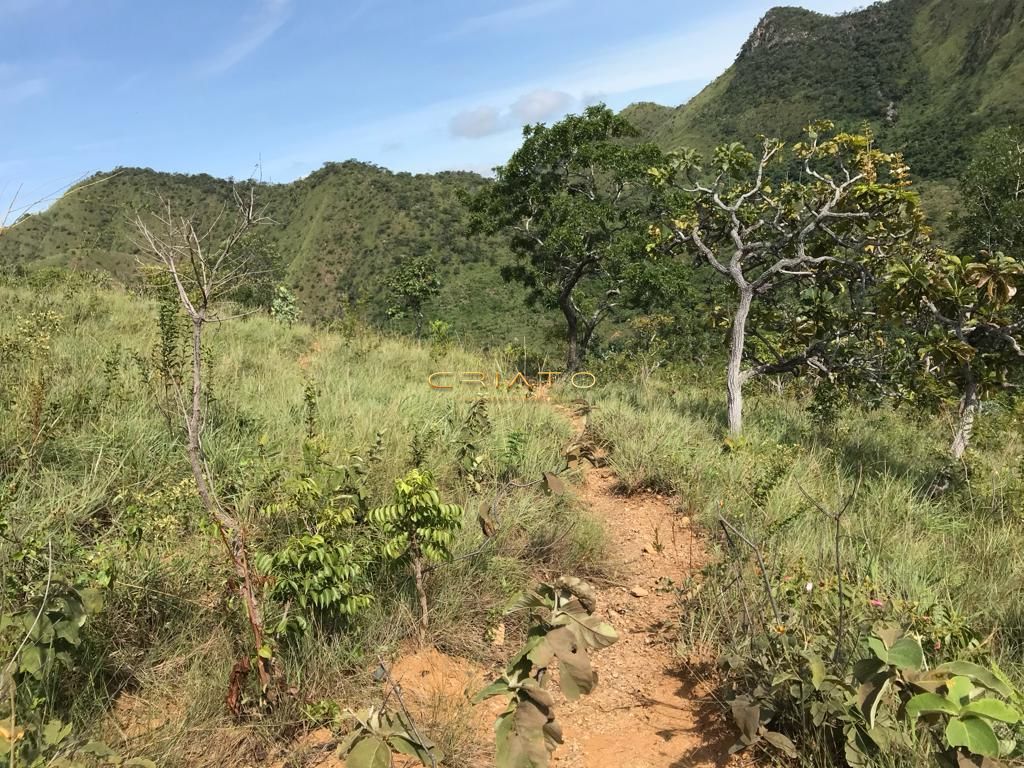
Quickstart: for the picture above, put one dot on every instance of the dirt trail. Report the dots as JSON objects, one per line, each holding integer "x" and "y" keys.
{"x": 646, "y": 711}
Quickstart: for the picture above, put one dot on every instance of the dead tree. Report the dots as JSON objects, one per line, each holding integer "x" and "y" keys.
{"x": 205, "y": 264}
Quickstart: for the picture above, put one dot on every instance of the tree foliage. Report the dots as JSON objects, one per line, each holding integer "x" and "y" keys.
{"x": 573, "y": 200}
{"x": 991, "y": 211}
{"x": 411, "y": 286}
{"x": 798, "y": 232}
{"x": 563, "y": 634}
{"x": 417, "y": 529}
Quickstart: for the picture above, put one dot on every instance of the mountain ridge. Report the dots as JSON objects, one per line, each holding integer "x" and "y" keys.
{"x": 928, "y": 76}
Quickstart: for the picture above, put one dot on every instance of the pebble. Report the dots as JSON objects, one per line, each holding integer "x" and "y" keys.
{"x": 638, "y": 592}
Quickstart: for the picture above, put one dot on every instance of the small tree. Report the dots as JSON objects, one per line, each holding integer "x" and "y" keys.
{"x": 574, "y": 202}
{"x": 775, "y": 230}
{"x": 411, "y": 286}
{"x": 991, "y": 211}
{"x": 966, "y": 310}
{"x": 205, "y": 265}
{"x": 418, "y": 529}
{"x": 969, "y": 320}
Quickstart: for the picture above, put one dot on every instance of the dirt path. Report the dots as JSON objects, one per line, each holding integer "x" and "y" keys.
{"x": 646, "y": 711}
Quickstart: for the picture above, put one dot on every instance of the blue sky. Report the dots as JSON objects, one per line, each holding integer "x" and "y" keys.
{"x": 415, "y": 85}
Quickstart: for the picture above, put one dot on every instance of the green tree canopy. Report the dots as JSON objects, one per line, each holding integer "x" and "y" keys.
{"x": 574, "y": 202}
{"x": 797, "y": 231}
{"x": 411, "y": 286}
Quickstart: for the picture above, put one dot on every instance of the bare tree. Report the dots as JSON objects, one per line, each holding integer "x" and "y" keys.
{"x": 762, "y": 227}
{"x": 205, "y": 264}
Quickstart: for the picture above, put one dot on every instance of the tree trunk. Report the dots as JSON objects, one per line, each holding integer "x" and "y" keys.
{"x": 229, "y": 528}
{"x": 588, "y": 336}
{"x": 967, "y": 414}
{"x": 421, "y": 593}
{"x": 735, "y": 376}
{"x": 573, "y": 356}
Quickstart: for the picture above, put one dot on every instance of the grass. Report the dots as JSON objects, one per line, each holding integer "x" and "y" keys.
{"x": 93, "y": 465}
{"x": 958, "y": 547}
{"x": 937, "y": 542}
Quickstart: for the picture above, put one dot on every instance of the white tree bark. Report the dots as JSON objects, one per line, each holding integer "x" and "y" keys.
{"x": 965, "y": 424}
{"x": 735, "y": 376}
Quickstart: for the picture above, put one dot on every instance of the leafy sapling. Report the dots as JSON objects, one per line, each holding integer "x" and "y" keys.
{"x": 563, "y": 632}
{"x": 418, "y": 529}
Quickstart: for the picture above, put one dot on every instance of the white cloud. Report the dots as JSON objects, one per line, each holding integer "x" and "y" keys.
{"x": 509, "y": 17}
{"x": 476, "y": 123}
{"x": 537, "y": 105}
{"x": 541, "y": 104}
{"x": 259, "y": 27}
{"x": 432, "y": 139}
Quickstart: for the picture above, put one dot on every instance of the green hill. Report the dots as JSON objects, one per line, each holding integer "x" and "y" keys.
{"x": 928, "y": 75}
{"x": 340, "y": 231}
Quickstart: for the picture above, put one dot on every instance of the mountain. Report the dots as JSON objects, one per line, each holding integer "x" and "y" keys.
{"x": 928, "y": 75}
{"x": 341, "y": 230}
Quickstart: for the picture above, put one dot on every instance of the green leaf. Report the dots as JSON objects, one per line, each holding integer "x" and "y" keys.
{"x": 959, "y": 689}
{"x": 54, "y": 732}
{"x": 99, "y": 749}
{"x": 993, "y": 709}
{"x": 497, "y": 688}
{"x": 817, "y": 668}
{"x": 31, "y": 660}
{"x": 974, "y": 734}
{"x": 928, "y": 703}
{"x": 369, "y": 752}
{"x": 978, "y": 674}
{"x": 906, "y": 653}
{"x": 92, "y": 599}
{"x": 878, "y": 648}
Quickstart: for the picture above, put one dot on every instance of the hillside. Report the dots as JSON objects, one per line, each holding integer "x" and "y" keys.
{"x": 340, "y": 230}
{"x": 98, "y": 500}
{"x": 928, "y": 75}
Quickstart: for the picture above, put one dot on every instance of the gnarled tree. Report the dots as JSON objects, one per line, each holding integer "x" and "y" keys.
{"x": 969, "y": 323}
{"x": 205, "y": 264}
{"x": 796, "y": 231}
{"x": 574, "y": 201}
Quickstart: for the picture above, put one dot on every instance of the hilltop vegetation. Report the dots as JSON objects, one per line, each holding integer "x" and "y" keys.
{"x": 928, "y": 75}
{"x": 340, "y": 231}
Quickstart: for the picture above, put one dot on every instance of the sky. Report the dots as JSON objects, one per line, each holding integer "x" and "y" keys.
{"x": 275, "y": 88}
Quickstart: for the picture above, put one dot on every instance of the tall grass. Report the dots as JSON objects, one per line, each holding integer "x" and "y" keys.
{"x": 957, "y": 543}
{"x": 939, "y": 539}
{"x": 91, "y": 465}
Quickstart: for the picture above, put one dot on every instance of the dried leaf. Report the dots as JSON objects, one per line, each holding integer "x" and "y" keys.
{"x": 554, "y": 483}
